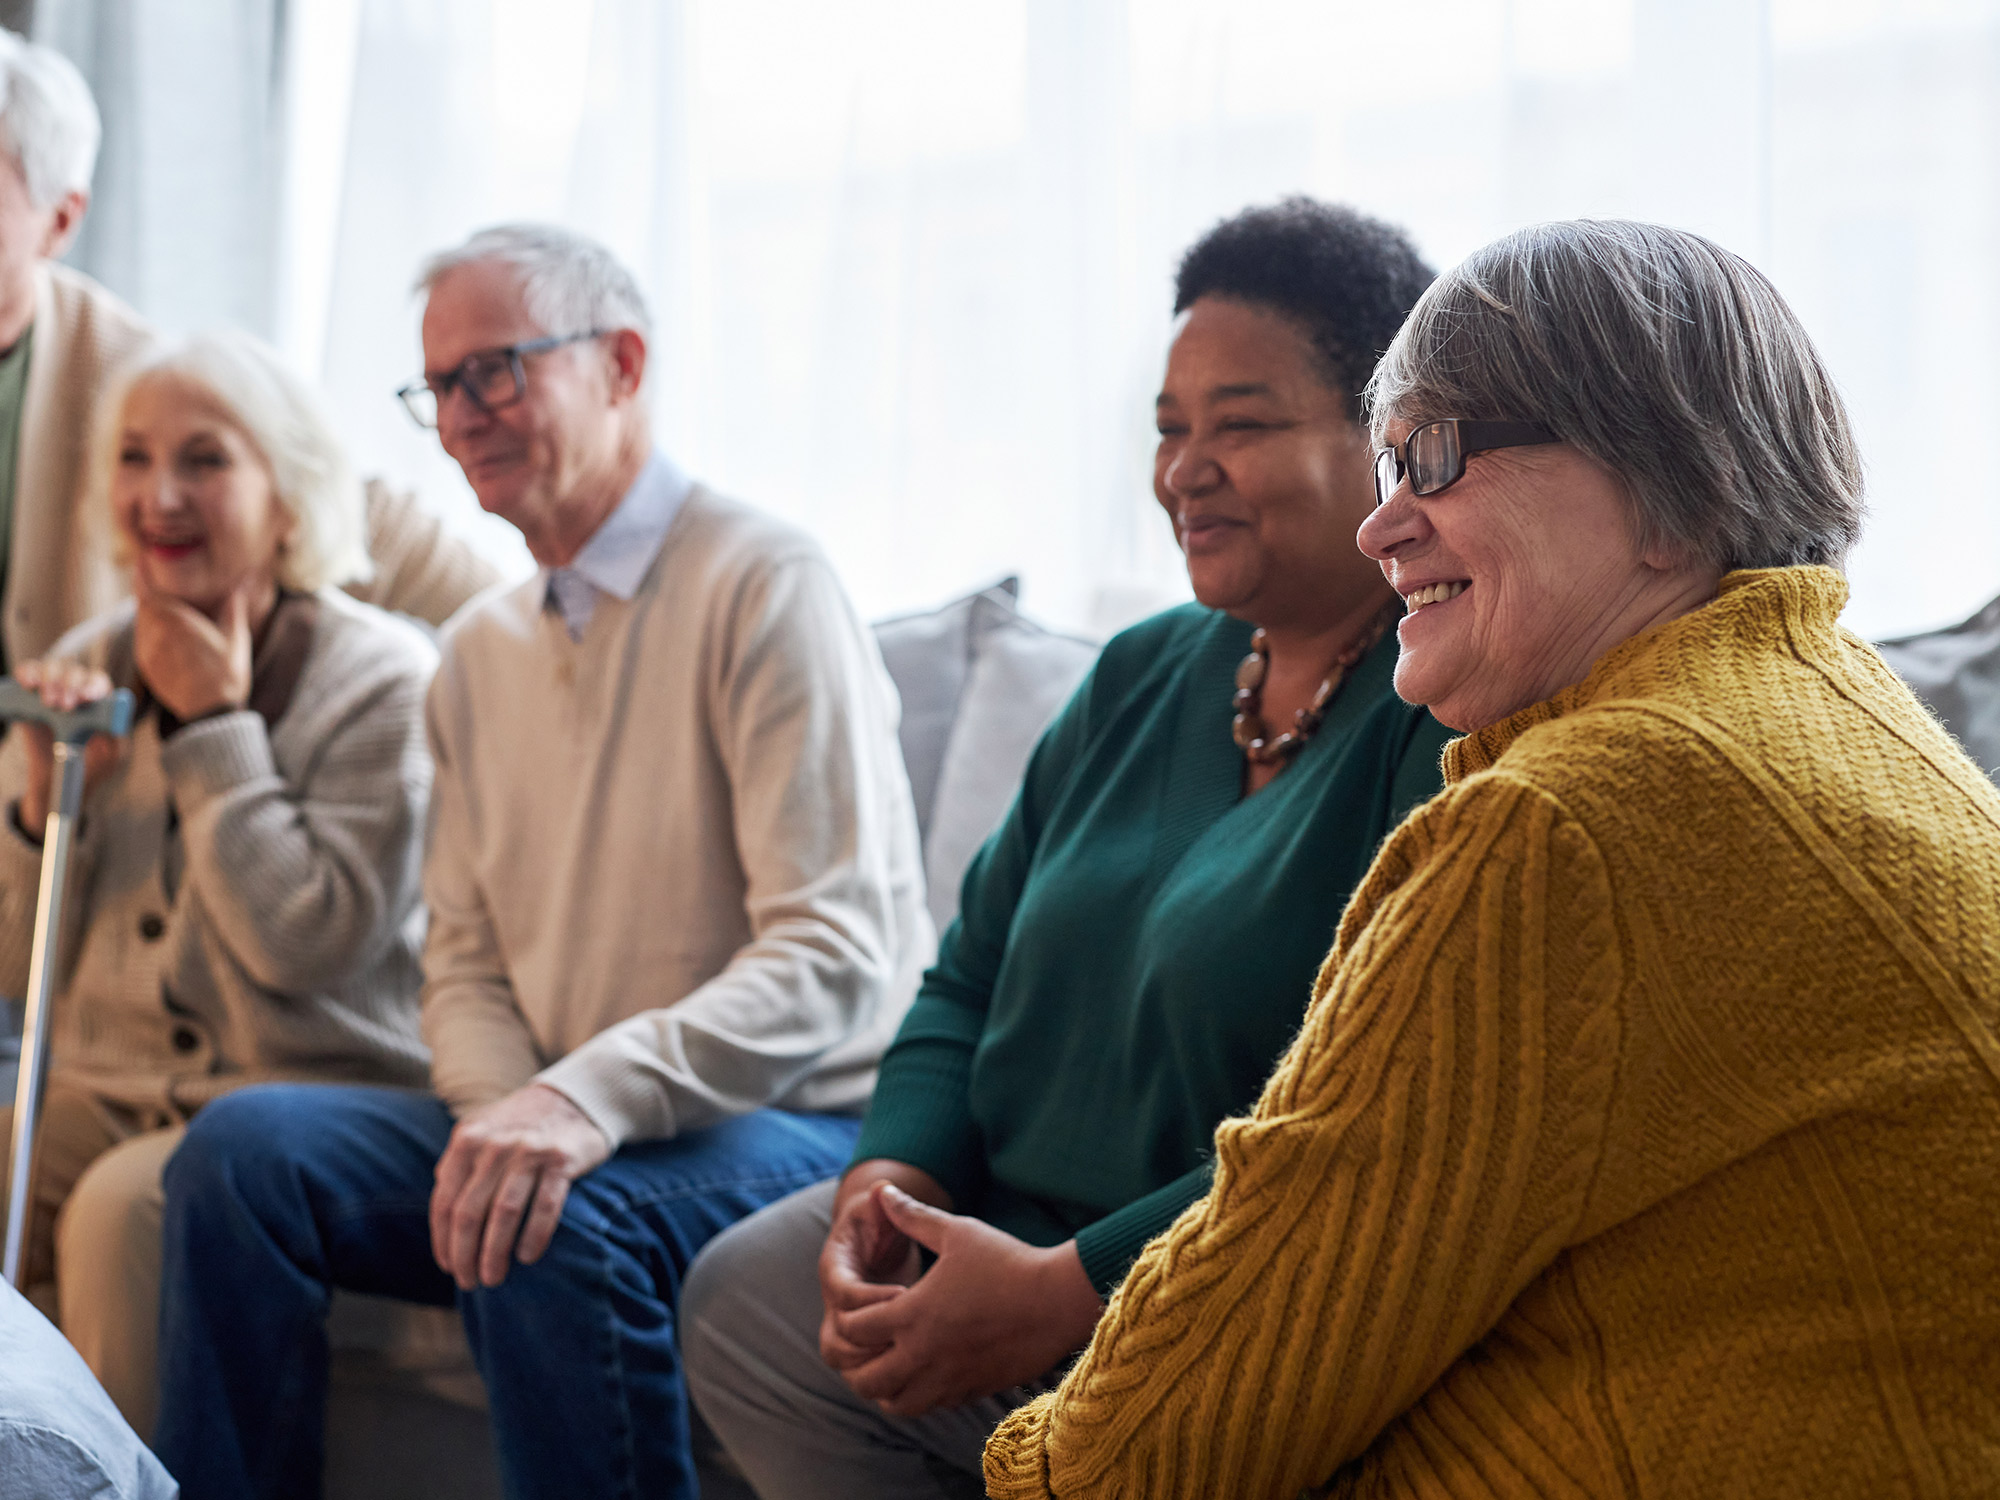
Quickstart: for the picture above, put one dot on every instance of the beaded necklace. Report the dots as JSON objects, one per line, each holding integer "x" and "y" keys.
{"x": 1253, "y": 735}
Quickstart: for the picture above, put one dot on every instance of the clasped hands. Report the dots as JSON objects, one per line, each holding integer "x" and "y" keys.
{"x": 991, "y": 1312}
{"x": 190, "y": 663}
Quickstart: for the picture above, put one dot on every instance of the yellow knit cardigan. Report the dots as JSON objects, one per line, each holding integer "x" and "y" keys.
{"x": 1643, "y": 1137}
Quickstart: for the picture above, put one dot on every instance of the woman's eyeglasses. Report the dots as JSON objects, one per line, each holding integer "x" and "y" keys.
{"x": 1434, "y": 454}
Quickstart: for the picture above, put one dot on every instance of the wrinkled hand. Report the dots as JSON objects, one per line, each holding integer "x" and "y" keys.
{"x": 992, "y": 1312}
{"x": 512, "y": 1158}
{"x": 192, "y": 664}
{"x": 64, "y": 686}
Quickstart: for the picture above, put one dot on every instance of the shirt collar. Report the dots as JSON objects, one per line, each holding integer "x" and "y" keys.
{"x": 616, "y": 556}
{"x": 624, "y": 545}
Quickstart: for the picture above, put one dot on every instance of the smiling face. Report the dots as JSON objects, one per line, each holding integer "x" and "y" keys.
{"x": 193, "y": 497}
{"x": 530, "y": 458}
{"x": 1261, "y": 470}
{"x": 1517, "y": 578}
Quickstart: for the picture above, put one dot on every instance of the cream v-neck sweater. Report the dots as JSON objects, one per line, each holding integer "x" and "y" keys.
{"x": 673, "y": 868}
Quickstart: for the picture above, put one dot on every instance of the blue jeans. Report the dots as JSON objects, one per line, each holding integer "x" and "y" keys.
{"x": 281, "y": 1192}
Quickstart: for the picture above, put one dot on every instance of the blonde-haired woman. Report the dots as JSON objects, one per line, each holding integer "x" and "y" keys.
{"x": 245, "y": 903}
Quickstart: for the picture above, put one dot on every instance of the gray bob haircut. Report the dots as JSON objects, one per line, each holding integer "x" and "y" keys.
{"x": 1658, "y": 353}
{"x": 279, "y": 413}
{"x": 47, "y": 119}
{"x": 569, "y": 282}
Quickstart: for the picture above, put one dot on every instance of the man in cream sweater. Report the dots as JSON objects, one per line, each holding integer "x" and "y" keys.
{"x": 676, "y": 915}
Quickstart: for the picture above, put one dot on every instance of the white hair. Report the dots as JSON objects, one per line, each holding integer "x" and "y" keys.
{"x": 47, "y": 119}
{"x": 569, "y": 282}
{"x": 278, "y": 412}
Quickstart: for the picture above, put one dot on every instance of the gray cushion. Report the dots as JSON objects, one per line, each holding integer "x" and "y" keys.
{"x": 1956, "y": 671}
{"x": 929, "y": 656}
{"x": 979, "y": 683}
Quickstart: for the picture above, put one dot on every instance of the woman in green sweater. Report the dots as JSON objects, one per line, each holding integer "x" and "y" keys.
{"x": 1189, "y": 828}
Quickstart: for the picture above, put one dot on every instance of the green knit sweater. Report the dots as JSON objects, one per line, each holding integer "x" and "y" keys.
{"x": 1136, "y": 945}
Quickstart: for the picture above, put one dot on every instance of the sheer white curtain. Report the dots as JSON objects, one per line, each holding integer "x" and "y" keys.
{"x": 912, "y": 258}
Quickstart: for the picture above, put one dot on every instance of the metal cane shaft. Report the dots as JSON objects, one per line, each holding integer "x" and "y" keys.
{"x": 67, "y": 773}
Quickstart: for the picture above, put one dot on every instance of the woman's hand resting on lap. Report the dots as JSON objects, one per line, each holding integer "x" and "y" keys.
{"x": 993, "y": 1311}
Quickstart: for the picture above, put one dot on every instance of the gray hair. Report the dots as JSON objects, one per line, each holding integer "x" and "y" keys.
{"x": 47, "y": 119}
{"x": 1658, "y": 353}
{"x": 569, "y": 281}
{"x": 282, "y": 418}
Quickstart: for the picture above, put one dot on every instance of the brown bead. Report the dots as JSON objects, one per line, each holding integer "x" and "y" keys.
{"x": 1248, "y": 727}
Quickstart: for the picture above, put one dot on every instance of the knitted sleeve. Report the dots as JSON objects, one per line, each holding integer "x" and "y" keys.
{"x": 421, "y": 569}
{"x": 306, "y": 878}
{"x": 1424, "y": 1149}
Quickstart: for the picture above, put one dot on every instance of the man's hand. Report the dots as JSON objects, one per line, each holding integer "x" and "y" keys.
{"x": 992, "y": 1312}
{"x": 64, "y": 686}
{"x": 523, "y": 1150}
{"x": 192, "y": 664}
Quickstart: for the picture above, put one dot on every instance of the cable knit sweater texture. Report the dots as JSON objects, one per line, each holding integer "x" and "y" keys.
{"x": 1641, "y": 1137}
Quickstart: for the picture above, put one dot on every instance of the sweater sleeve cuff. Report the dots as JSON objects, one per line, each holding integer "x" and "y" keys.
{"x": 612, "y": 1086}
{"x": 1108, "y": 1247}
{"x": 918, "y": 1115}
{"x": 210, "y": 756}
{"x": 1017, "y": 1455}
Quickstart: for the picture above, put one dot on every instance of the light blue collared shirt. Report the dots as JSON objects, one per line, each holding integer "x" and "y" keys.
{"x": 622, "y": 548}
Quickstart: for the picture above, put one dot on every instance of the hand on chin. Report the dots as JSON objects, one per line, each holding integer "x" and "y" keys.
{"x": 194, "y": 658}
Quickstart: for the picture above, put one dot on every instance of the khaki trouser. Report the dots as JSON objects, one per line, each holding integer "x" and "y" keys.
{"x": 94, "y": 1232}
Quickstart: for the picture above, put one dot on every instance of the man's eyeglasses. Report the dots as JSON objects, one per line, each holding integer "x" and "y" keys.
{"x": 491, "y": 379}
{"x": 1434, "y": 454}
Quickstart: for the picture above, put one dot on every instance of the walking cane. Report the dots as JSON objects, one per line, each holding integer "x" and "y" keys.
{"x": 71, "y": 732}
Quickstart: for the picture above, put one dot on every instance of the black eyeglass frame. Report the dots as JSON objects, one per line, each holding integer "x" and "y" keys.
{"x": 454, "y": 378}
{"x": 1465, "y": 437}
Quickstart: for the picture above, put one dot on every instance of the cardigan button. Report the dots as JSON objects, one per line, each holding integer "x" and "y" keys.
{"x": 151, "y": 926}
{"x": 185, "y": 1040}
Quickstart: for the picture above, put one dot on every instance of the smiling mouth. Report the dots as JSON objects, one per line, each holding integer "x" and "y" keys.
{"x": 1433, "y": 593}
{"x": 1197, "y": 530}
{"x": 171, "y": 546}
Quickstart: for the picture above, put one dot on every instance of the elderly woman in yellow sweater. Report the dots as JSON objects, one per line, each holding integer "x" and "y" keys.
{"x": 1642, "y": 1135}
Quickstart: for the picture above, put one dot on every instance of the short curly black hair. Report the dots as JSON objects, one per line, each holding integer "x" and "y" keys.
{"x": 1347, "y": 281}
